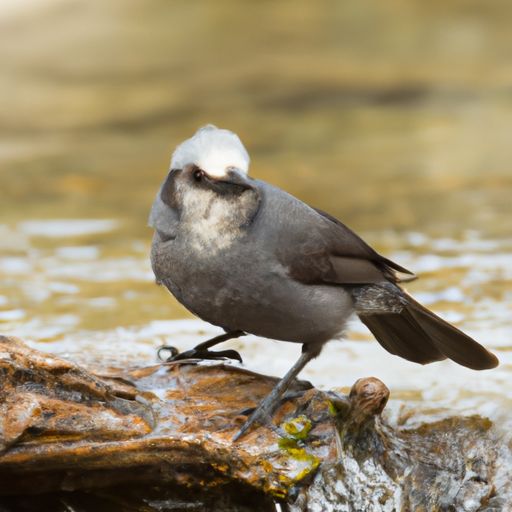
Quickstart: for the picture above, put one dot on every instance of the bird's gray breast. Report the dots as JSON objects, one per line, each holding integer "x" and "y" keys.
{"x": 197, "y": 264}
{"x": 201, "y": 271}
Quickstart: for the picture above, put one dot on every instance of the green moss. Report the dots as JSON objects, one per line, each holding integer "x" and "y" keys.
{"x": 287, "y": 443}
{"x": 314, "y": 462}
{"x": 299, "y": 454}
{"x": 298, "y": 428}
{"x": 332, "y": 408}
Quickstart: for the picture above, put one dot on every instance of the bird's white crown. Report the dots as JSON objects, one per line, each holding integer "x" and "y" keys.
{"x": 214, "y": 150}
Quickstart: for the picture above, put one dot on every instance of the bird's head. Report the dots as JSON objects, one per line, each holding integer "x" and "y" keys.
{"x": 209, "y": 168}
{"x": 216, "y": 152}
{"x": 212, "y": 159}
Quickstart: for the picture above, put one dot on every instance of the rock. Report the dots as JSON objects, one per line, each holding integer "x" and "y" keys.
{"x": 160, "y": 438}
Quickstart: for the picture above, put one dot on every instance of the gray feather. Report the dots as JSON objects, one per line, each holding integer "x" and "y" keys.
{"x": 164, "y": 219}
{"x": 407, "y": 329}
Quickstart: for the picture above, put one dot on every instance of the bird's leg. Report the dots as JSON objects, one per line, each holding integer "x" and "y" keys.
{"x": 286, "y": 397}
{"x": 201, "y": 351}
{"x": 266, "y": 408}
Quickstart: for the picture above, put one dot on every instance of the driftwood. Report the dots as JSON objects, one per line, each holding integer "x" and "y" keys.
{"x": 159, "y": 438}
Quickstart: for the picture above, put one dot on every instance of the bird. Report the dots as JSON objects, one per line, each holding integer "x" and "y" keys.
{"x": 250, "y": 258}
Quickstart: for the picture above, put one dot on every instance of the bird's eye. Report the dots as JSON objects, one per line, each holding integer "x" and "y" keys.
{"x": 198, "y": 174}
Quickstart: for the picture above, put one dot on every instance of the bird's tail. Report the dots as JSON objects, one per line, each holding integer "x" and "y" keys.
{"x": 407, "y": 329}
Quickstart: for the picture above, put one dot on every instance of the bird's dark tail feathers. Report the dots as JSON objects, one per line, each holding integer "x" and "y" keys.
{"x": 407, "y": 329}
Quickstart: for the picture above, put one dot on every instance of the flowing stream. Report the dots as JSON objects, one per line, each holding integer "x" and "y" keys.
{"x": 394, "y": 117}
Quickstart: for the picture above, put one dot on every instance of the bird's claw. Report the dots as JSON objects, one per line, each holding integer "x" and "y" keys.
{"x": 290, "y": 395}
{"x": 260, "y": 416}
{"x": 167, "y": 348}
{"x": 204, "y": 354}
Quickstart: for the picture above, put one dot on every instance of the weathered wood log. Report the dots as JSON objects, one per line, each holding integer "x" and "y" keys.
{"x": 160, "y": 438}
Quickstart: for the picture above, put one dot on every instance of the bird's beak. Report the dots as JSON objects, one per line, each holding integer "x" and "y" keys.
{"x": 239, "y": 178}
{"x": 235, "y": 176}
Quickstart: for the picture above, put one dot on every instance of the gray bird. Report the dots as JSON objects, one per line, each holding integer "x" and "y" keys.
{"x": 250, "y": 258}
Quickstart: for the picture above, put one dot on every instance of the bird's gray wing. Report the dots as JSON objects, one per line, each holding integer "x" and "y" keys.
{"x": 334, "y": 254}
{"x": 345, "y": 234}
{"x": 163, "y": 218}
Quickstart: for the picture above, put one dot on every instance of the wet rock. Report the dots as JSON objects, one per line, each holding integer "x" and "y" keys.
{"x": 160, "y": 438}
{"x": 44, "y": 399}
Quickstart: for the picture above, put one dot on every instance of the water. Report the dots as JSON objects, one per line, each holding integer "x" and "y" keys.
{"x": 395, "y": 118}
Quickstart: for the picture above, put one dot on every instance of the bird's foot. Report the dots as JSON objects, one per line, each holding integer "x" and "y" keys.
{"x": 196, "y": 353}
{"x": 266, "y": 409}
{"x": 262, "y": 414}
{"x": 290, "y": 395}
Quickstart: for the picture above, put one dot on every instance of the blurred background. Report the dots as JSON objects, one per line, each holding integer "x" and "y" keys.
{"x": 394, "y": 116}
